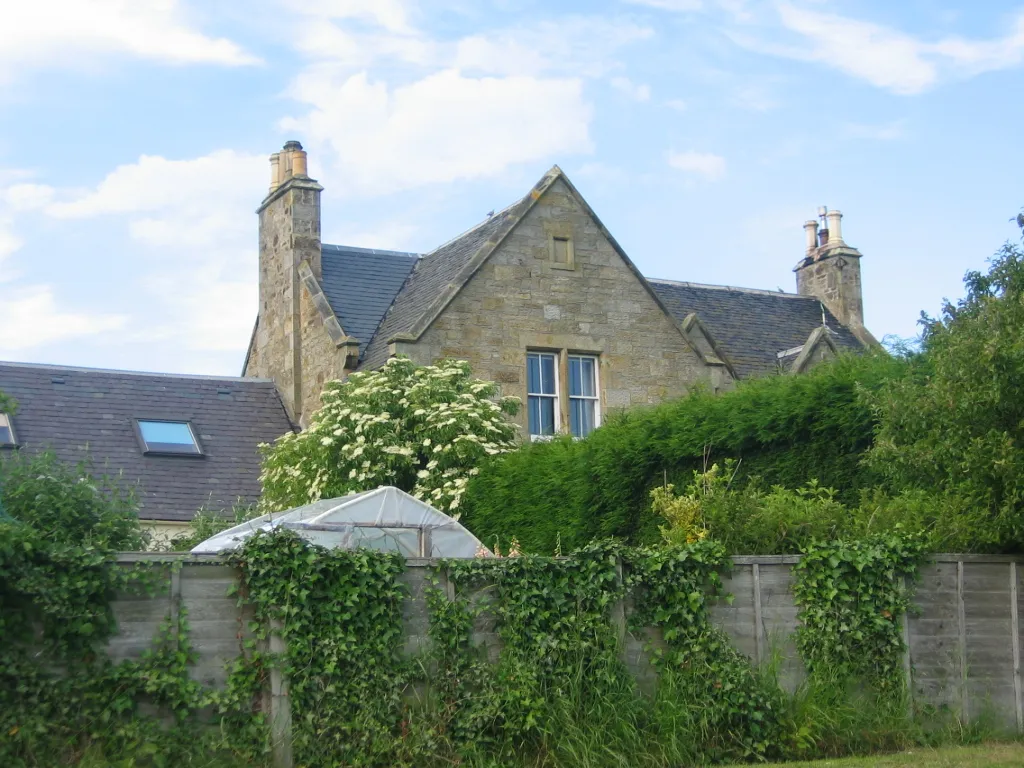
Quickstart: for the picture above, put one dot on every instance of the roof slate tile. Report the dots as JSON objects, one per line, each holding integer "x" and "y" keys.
{"x": 94, "y": 422}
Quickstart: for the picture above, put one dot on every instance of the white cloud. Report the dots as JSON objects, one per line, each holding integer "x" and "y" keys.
{"x": 201, "y": 202}
{"x": 670, "y": 5}
{"x": 578, "y": 46}
{"x": 884, "y": 57}
{"x": 880, "y": 132}
{"x": 706, "y": 164}
{"x": 32, "y": 316}
{"x": 677, "y": 104}
{"x": 756, "y": 98}
{"x": 195, "y": 215}
{"x": 390, "y": 14}
{"x": 443, "y": 127}
{"x": 27, "y": 197}
{"x": 635, "y": 91}
{"x": 60, "y": 32}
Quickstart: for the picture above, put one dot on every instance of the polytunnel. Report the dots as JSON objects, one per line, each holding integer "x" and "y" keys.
{"x": 386, "y": 519}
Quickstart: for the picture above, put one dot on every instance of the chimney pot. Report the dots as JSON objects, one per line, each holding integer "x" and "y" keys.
{"x": 811, "y": 230}
{"x": 823, "y": 236}
{"x": 835, "y": 231}
{"x": 292, "y": 146}
{"x": 275, "y": 171}
{"x": 299, "y": 163}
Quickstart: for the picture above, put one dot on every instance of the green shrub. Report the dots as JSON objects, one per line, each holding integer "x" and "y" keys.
{"x": 787, "y": 430}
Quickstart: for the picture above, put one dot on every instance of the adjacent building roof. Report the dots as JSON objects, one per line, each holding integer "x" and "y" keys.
{"x": 752, "y": 327}
{"x": 361, "y": 283}
{"x": 88, "y": 413}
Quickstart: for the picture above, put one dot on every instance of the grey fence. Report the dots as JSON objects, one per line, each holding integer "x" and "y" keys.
{"x": 963, "y": 638}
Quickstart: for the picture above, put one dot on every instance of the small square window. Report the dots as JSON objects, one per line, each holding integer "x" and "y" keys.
{"x": 7, "y": 438}
{"x": 561, "y": 250}
{"x": 168, "y": 437}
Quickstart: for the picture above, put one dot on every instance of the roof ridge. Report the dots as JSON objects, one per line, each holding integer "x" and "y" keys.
{"x": 87, "y": 369}
{"x": 374, "y": 251}
{"x": 476, "y": 226}
{"x": 738, "y": 289}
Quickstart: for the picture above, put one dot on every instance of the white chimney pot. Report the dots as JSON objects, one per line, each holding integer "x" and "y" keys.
{"x": 835, "y": 231}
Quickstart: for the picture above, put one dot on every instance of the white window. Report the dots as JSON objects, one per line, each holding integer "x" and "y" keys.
{"x": 584, "y": 406}
{"x": 542, "y": 393}
{"x": 6, "y": 431}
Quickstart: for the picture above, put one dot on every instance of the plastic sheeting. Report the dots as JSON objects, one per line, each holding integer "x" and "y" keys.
{"x": 386, "y": 519}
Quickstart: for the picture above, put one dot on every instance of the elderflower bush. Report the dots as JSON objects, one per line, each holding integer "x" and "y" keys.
{"x": 423, "y": 429}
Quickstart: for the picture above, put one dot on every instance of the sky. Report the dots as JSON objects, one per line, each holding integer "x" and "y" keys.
{"x": 134, "y": 137}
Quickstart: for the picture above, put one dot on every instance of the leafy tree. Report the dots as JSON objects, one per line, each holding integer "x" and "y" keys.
{"x": 955, "y": 420}
{"x": 423, "y": 429}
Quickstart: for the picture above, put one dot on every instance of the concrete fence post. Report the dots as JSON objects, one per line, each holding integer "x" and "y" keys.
{"x": 280, "y": 704}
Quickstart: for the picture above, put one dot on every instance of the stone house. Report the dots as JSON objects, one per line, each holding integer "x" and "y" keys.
{"x": 538, "y": 297}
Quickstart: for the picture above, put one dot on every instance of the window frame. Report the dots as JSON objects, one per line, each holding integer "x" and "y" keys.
{"x": 570, "y": 251}
{"x": 199, "y": 453}
{"x": 595, "y": 398}
{"x": 8, "y": 422}
{"x": 556, "y": 397}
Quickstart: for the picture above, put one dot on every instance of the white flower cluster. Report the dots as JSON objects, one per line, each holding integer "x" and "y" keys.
{"x": 424, "y": 428}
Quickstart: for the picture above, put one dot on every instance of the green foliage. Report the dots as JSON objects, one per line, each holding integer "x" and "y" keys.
{"x": 60, "y": 696}
{"x": 209, "y": 522}
{"x": 424, "y": 429}
{"x": 69, "y": 504}
{"x": 741, "y": 712}
{"x": 788, "y": 430}
{"x": 339, "y": 614}
{"x": 955, "y": 419}
{"x": 553, "y": 618}
{"x": 852, "y": 596}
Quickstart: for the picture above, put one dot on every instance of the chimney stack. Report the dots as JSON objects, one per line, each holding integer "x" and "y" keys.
{"x": 289, "y": 237}
{"x": 830, "y": 271}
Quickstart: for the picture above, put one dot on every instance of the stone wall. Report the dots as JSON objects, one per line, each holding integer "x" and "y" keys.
{"x": 289, "y": 234}
{"x": 322, "y": 361}
{"x": 833, "y": 276}
{"x": 520, "y": 299}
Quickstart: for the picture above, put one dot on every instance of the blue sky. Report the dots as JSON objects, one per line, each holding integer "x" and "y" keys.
{"x": 134, "y": 140}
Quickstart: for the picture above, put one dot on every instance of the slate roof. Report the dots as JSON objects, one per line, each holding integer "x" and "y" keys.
{"x": 361, "y": 283}
{"x": 88, "y": 413}
{"x": 433, "y": 273}
{"x": 750, "y": 326}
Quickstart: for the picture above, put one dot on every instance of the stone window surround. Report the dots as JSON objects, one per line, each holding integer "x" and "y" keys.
{"x": 562, "y": 386}
{"x": 560, "y": 230}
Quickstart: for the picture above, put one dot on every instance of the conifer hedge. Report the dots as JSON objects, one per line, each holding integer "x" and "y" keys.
{"x": 787, "y": 430}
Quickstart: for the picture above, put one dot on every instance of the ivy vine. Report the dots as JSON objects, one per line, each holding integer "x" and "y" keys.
{"x": 339, "y": 613}
{"x": 741, "y": 711}
{"x": 852, "y": 597}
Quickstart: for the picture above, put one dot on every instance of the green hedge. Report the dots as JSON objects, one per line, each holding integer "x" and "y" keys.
{"x": 785, "y": 429}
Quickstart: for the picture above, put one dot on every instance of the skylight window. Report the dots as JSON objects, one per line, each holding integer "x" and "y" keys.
{"x": 7, "y": 439}
{"x": 168, "y": 437}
